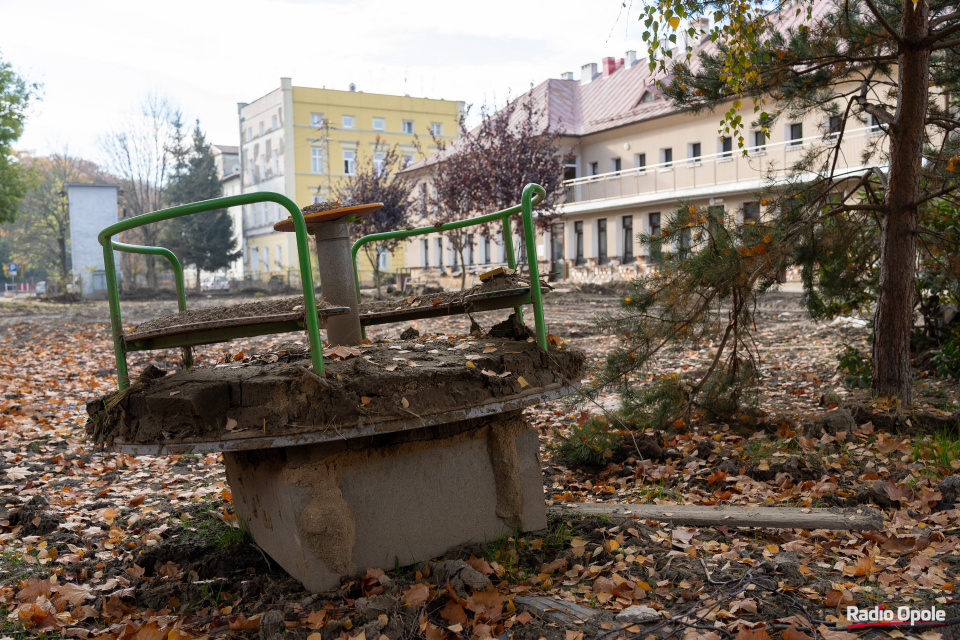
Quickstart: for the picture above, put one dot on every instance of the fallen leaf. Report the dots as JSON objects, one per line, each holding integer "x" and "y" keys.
{"x": 453, "y": 613}
{"x": 416, "y": 595}
{"x": 791, "y": 633}
{"x": 243, "y": 623}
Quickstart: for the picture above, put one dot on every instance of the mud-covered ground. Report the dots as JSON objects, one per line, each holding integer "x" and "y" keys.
{"x": 95, "y": 543}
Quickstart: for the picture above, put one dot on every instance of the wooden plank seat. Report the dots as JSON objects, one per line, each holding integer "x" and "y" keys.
{"x": 483, "y": 301}
{"x": 219, "y": 324}
{"x": 192, "y": 327}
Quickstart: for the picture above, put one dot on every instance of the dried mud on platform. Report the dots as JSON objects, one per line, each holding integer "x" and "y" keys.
{"x": 275, "y": 393}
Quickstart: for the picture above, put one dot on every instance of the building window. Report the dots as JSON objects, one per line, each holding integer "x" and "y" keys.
{"x": 379, "y": 124}
{"x": 383, "y": 260}
{"x": 380, "y": 161}
{"x": 349, "y": 122}
{"x": 874, "y": 128}
{"x": 266, "y": 259}
{"x": 316, "y": 119}
{"x": 406, "y": 160}
{"x": 424, "y": 201}
{"x": 602, "y": 257}
{"x": 349, "y": 162}
{"x": 627, "y": 239}
{"x": 640, "y": 162}
{"x": 436, "y": 129}
{"x": 486, "y": 251}
{"x": 273, "y": 123}
{"x": 832, "y": 125}
{"x": 279, "y": 256}
{"x": 406, "y": 126}
{"x": 693, "y": 153}
{"x": 684, "y": 243}
{"x": 260, "y": 128}
{"x": 578, "y": 241}
{"x": 751, "y": 212}
{"x": 316, "y": 159}
{"x": 666, "y": 158}
{"x": 615, "y": 164}
{"x": 759, "y": 140}
{"x": 317, "y": 199}
{"x": 453, "y": 258}
{"x": 726, "y": 148}
{"x": 424, "y": 253}
{"x": 795, "y": 134}
{"x": 468, "y": 249}
{"x": 440, "y": 252}
{"x": 249, "y": 134}
{"x": 655, "y": 224}
{"x": 594, "y": 168}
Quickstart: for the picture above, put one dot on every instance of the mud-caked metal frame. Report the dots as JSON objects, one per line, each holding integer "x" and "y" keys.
{"x": 113, "y": 295}
{"x": 533, "y": 194}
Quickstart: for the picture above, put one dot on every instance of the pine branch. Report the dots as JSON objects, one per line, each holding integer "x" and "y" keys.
{"x": 883, "y": 21}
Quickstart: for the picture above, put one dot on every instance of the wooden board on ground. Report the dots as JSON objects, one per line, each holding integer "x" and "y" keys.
{"x": 859, "y": 518}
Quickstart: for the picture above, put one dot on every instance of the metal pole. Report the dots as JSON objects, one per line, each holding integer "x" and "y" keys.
{"x": 337, "y": 281}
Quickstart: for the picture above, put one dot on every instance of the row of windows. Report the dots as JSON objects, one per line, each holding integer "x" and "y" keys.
{"x": 376, "y": 124}
{"x": 318, "y": 163}
{"x": 257, "y": 259}
{"x": 261, "y": 128}
{"x": 484, "y": 255}
{"x": 694, "y": 152}
{"x": 757, "y": 140}
{"x": 751, "y": 213}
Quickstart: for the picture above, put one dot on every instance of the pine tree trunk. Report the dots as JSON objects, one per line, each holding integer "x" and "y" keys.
{"x": 892, "y": 373}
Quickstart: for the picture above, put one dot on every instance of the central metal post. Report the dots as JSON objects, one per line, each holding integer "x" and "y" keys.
{"x": 336, "y": 280}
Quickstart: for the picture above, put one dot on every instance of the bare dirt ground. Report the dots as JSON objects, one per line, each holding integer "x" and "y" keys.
{"x": 96, "y": 544}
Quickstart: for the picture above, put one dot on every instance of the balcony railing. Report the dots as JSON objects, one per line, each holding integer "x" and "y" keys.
{"x": 772, "y": 160}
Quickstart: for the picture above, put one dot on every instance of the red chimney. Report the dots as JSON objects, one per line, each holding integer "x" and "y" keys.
{"x": 609, "y": 65}
{"x": 619, "y": 63}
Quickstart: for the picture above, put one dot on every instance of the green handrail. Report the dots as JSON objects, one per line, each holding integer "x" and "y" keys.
{"x": 533, "y": 194}
{"x": 177, "y": 279}
{"x": 113, "y": 296}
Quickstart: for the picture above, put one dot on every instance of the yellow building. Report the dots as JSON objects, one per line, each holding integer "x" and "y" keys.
{"x": 303, "y": 142}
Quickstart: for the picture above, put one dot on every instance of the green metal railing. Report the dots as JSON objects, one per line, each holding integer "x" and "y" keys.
{"x": 533, "y": 194}
{"x": 113, "y": 296}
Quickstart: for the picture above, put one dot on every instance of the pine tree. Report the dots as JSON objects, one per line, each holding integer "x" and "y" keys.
{"x": 859, "y": 237}
{"x": 204, "y": 240}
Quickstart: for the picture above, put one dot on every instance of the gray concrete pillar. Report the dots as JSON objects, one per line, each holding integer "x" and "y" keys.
{"x": 336, "y": 279}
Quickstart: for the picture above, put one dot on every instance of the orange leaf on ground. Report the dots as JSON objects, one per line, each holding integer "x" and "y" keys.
{"x": 481, "y": 565}
{"x": 416, "y": 595}
{"x": 150, "y": 631}
{"x": 791, "y": 633}
{"x": 316, "y": 619}
{"x": 834, "y": 634}
{"x": 453, "y": 613}
{"x": 243, "y": 623}
{"x": 752, "y": 634}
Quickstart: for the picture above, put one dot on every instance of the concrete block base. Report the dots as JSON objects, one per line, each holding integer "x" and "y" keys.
{"x": 328, "y": 510}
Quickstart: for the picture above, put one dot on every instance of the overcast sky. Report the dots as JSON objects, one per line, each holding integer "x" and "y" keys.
{"x": 98, "y": 60}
